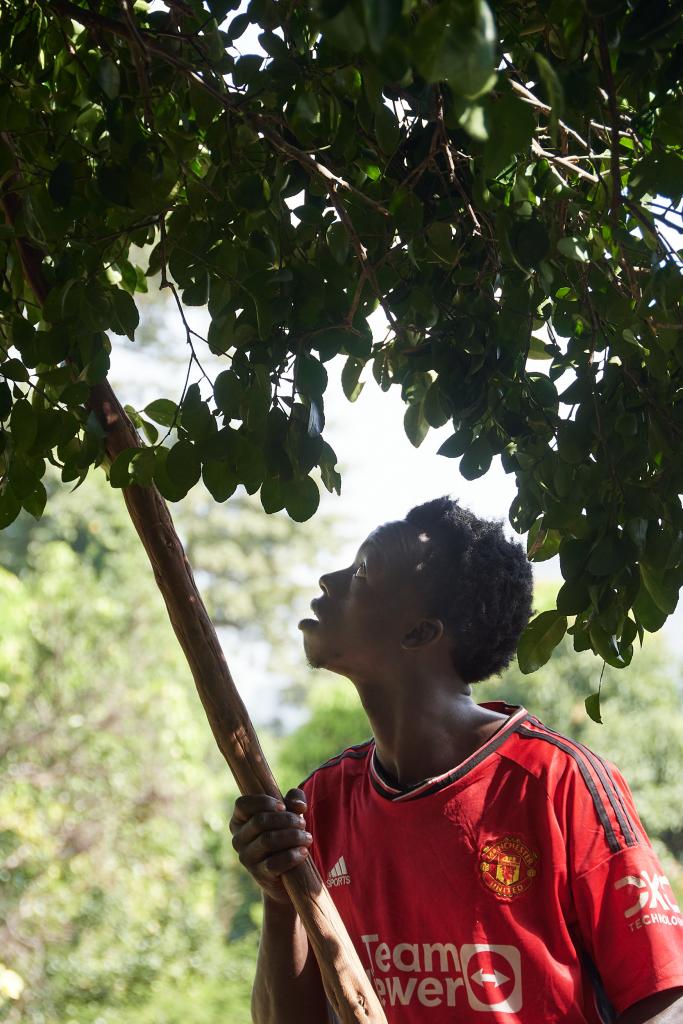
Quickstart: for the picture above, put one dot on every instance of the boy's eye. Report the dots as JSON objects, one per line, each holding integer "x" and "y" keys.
{"x": 361, "y": 571}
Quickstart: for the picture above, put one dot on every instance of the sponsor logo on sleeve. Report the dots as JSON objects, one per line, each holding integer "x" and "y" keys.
{"x": 508, "y": 866}
{"x": 654, "y": 900}
{"x": 488, "y": 977}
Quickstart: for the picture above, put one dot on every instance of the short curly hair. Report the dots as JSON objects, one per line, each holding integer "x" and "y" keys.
{"x": 477, "y": 582}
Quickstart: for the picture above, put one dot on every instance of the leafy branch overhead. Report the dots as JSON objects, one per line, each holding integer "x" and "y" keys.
{"x": 502, "y": 187}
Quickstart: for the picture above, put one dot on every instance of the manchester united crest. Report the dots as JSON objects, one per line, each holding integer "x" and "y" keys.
{"x": 508, "y": 866}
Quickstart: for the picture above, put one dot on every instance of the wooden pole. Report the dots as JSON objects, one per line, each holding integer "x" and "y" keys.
{"x": 345, "y": 981}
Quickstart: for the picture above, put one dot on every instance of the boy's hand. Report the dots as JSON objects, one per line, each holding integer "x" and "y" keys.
{"x": 270, "y": 838}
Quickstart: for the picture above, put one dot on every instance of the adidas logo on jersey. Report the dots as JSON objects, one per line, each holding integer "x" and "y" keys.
{"x": 338, "y": 875}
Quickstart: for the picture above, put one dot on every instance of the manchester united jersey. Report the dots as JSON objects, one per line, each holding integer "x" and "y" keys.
{"x": 519, "y": 887}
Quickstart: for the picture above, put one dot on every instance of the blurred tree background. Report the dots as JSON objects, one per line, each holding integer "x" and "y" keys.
{"x": 121, "y": 900}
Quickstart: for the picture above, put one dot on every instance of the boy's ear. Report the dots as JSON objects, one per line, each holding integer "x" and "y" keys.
{"x": 427, "y": 632}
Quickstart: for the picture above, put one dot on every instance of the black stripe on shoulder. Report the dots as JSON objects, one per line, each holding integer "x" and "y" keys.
{"x": 545, "y": 737}
{"x": 356, "y": 752}
{"x": 613, "y": 795}
{"x": 617, "y": 791}
{"x": 607, "y": 782}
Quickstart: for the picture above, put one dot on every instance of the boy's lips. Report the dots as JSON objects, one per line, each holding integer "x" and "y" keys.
{"x": 315, "y": 608}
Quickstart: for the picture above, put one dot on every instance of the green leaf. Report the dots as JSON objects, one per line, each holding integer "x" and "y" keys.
{"x": 162, "y": 410}
{"x": 574, "y": 249}
{"x": 311, "y": 376}
{"x": 649, "y": 615}
{"x": 512, "y": 123}
{"x": 34, "y": 503}
{"x": 415, "y": 424}
{"x": 247, "y": 69}
{"x": 195, "y": 415}
{"x": 301, "y": 497}
{"x": 554, "y": 92}
{"x": 605, "y": 645}
{"x": 328, "y": 473}
{"x": 134, "y": 416}
{"x": 227, "y": 393}
{"x": 407, "y": 211}
{"x": 381, "y": 16}
{"x": 387, "y": 129}
{"x": 436, "y": 407}
{"x": 183, "y": 464}
{"x": 539, "y": 640}
{"x": 457, "y": 443}
{"x": 475, "y": 122}
{"x": 23, "y": 424}
{"x": 338, "y": 241}
{"x": 24, "y": 474}
{"x": 574, "y": 555}
{"x": 593, "y": 707}
{"x": 167, "y": 487}
{"x": 150, "y": 431}
{"x": 457, "y": 43}
{"x": 542, "y": 543}
{"x": 14, "y": 369}
{"x": 573, "y": 597}
{"x": 119, "y": 473}
{"x": 219, "y": 479}
{"x": 251, "y": 192}
{"x": 350, "y": 378}
{"x": 607, "y": 557}
{"x": 142, "y": 467}
{"x": 530, "y": 242}
{"x": 271, "y": 495}
{"x": 661, "y": 588}
{"x": 108, "y": 77}
{"x": 61, "y": 184}
{"x": 127, "y": 317}
{"x": 477, "y": 459}
{"x": 10, "y": 507}
{"x": 538, "y": 349}
{"x": 74, "y": 394}
{"x": 5, "y": 400}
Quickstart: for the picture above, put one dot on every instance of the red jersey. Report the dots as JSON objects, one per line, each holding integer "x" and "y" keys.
{"x": 518, "y": 888}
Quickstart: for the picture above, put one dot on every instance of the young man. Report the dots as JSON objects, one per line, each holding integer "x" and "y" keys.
{"x": 486, "y": 867}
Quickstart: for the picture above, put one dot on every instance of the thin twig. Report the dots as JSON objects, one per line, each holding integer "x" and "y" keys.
{"x": 563, "y": 162}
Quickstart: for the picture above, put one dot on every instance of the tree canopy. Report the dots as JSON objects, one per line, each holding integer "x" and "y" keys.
{"x": 499, "y": 185}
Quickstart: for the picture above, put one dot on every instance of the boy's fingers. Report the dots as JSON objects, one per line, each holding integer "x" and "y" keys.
{"x": 266, "y": 821}
{"x": 247, "y": 806}
{"x": 296, "y": 801}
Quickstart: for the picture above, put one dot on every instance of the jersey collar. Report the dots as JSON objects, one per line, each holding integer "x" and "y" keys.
{"x": 427, "y": 787}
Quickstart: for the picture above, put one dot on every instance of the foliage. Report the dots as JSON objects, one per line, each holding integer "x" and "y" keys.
{"x": 642, "y": 735}
{"x": 500, "y": 187}
{"x": 121, "y": 899}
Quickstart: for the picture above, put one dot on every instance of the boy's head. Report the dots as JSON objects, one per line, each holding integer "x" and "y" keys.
{"x": 479, "y": 583}
{"x": 440, "y": 583}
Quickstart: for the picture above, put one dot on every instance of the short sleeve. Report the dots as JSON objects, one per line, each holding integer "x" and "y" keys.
{"x": 628, "y": 915}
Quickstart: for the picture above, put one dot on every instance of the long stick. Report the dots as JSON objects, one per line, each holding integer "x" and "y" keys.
{"x": 346, "y": 984}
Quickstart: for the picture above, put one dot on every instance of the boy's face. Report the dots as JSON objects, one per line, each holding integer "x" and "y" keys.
{"x": 368, "y": 608}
